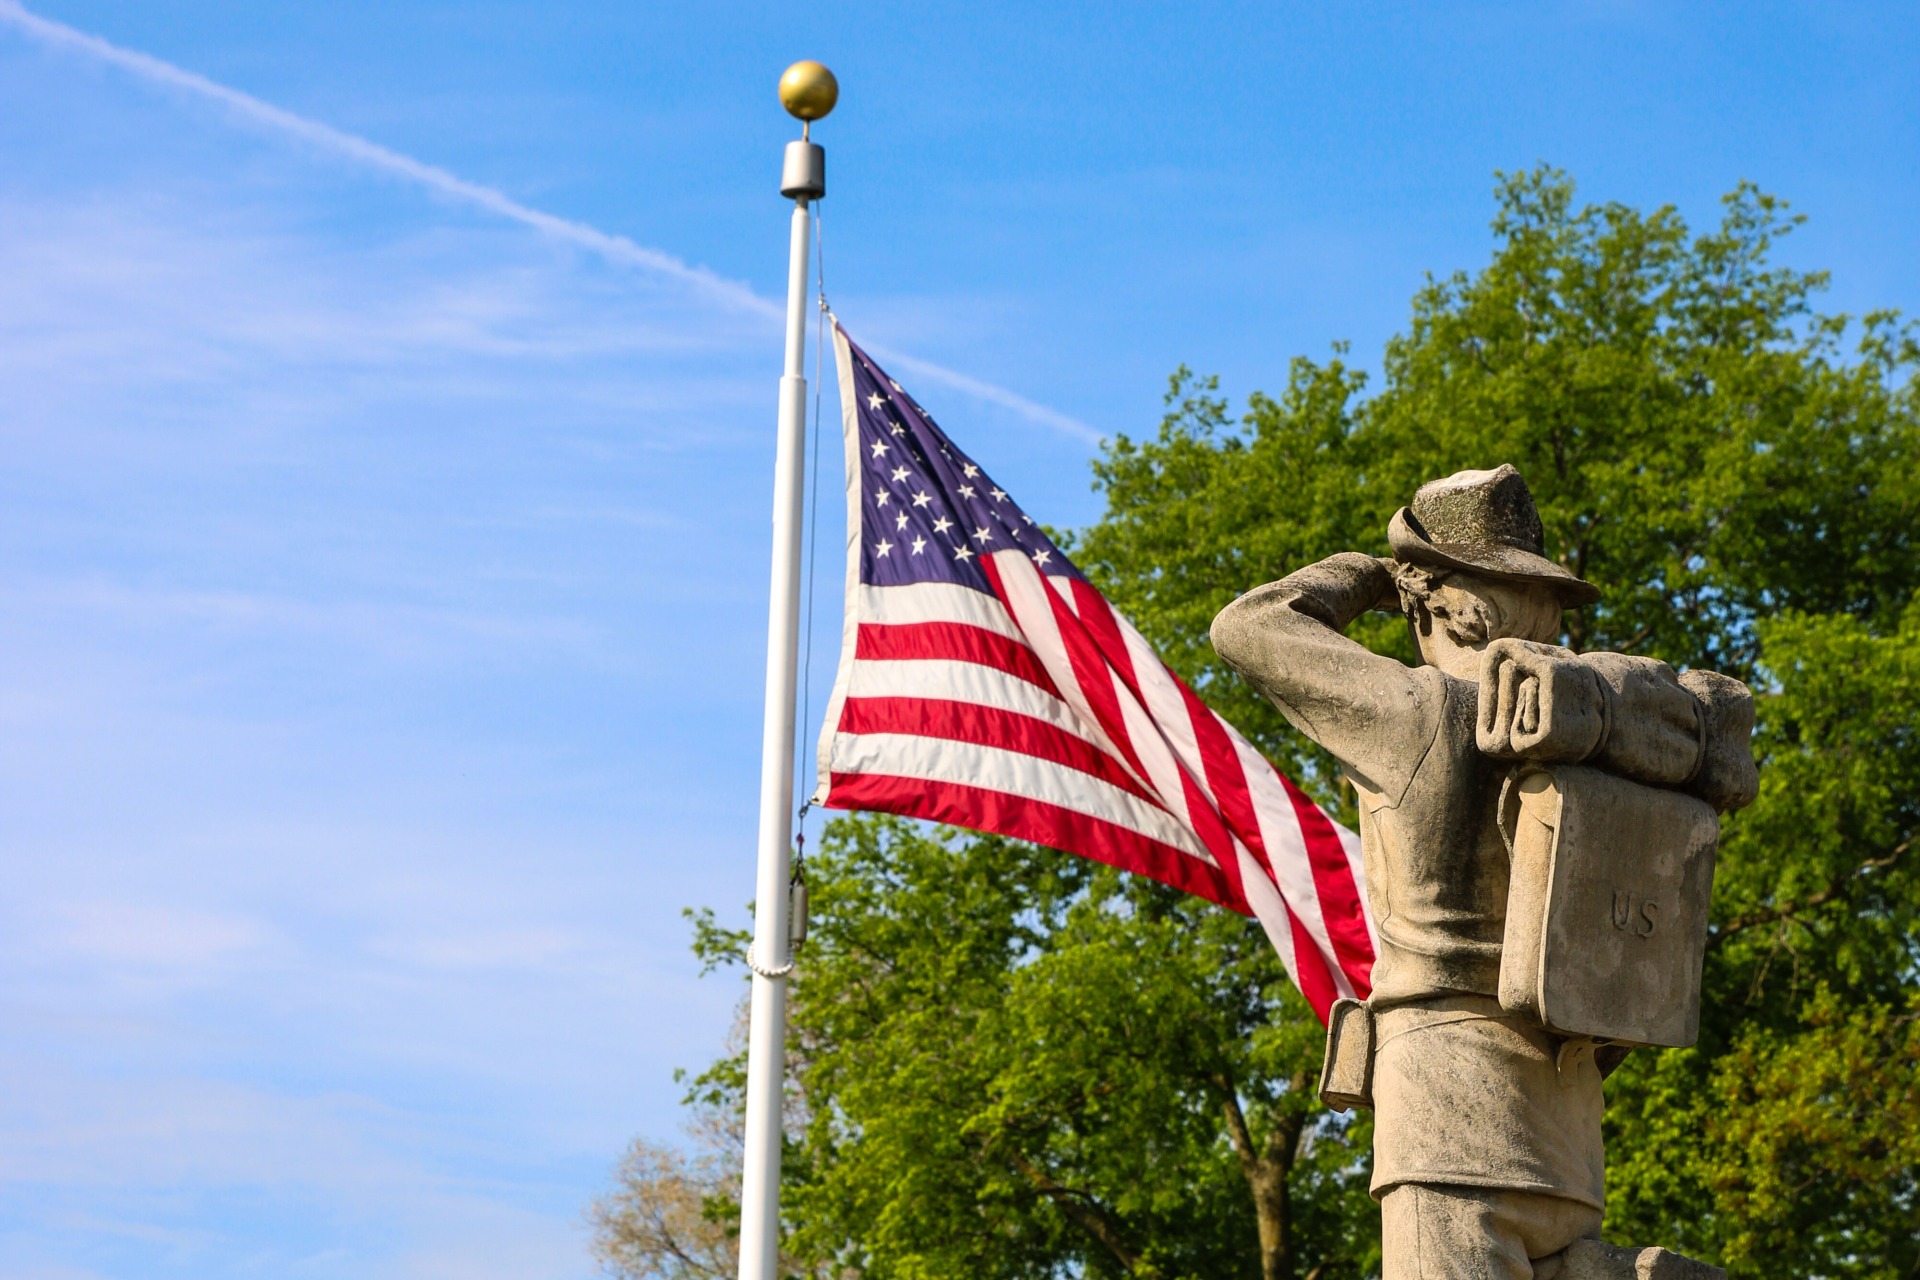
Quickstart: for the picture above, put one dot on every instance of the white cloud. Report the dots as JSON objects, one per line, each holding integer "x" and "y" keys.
{"x": 523, "y": 949}
{"x": 109, "y": 1159}
{"x": 245, "y": 106}
{"x": 699, "y": 281}
{"x": 303, "y": 541}
{"x": 173, "y": 289}
{"x": 152, "y": 935}
{"x": 395, "y": 630}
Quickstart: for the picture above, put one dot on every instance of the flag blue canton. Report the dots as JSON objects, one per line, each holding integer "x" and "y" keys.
{"x": 928, "y": 512}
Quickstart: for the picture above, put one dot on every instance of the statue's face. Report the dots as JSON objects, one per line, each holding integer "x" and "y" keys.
{"x": 1470, "y": 612}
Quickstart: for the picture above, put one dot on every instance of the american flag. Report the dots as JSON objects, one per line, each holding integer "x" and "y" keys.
{"x": 985, "y": 683}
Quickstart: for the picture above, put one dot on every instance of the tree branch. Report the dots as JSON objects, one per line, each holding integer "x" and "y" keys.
{"x": 1078, "y": 1206}
{"x": 1838, "y": 886}
{"x": 1237, "y": 1131}
{"x": 1283, "y": 1144}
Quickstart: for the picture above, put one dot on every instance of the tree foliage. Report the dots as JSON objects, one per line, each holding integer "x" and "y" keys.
{"x": 1011, "y": 1063}
{"x": 668, "y": 1214}
{"x": 1741, "y": 476}
{"x": 1788, "y": 1141}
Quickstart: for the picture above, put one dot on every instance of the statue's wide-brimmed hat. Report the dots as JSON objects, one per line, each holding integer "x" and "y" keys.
{"x": 1484, "y": 522}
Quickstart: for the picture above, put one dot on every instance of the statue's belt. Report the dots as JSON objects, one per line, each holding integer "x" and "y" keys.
{"x": 1356, "y": 1033}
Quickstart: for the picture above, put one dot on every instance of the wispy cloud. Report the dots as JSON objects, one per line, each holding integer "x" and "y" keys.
{"x": 155, "y": 936}
{"x": 731, "y": 294}
{"x": 80, "y": 1135}
{"x": 615, "y": 248}
{"x": 990, "y": 393}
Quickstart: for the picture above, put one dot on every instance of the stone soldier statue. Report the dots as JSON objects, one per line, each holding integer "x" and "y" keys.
{"x": 1487, "y": 1084}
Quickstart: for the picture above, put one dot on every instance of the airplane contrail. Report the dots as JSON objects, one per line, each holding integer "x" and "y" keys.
{"x": 614, "y": 248}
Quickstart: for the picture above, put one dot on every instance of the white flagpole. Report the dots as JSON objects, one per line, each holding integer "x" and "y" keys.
{"x": 808, "y": 91}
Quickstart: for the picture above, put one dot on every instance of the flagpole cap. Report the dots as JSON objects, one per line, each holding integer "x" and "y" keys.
{"x": 808, "y": 91}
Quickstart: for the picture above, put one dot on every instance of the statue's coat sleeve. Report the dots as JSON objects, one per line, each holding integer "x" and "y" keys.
{"x": 1375, "y": 714}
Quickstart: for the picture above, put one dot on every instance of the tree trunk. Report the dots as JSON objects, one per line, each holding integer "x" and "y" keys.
{"x": 1266, "y": 1171}
{"x": 1273, "y": 1212}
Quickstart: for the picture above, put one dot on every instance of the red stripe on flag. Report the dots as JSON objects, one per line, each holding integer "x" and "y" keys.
{"x": 988, "y": 727}
{"x": 1097, "y": 614}
{"x": 1310, "y": 969}
{"x": 1089, "y": 666}
{"x": 1023, "y": 819}
{"x": 1224, "y": 774}
{"x": 1333, "y": 884}
{"x": 951, "y": 641}
{"x": 1226, "y": 781}
{"x": 1050, "y": 717}
{"x": 1096, "y": 623}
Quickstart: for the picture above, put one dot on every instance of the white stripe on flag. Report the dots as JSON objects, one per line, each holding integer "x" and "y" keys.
{"x": 1268, "y": 909}
{"x": 1013, "y": 773}
{"x": 933, "y": 602}
{"x": 1152, "y": 769}
{"x": 956, "y": 681}
{"x": 1286, "y": 846}
{"x": 1027, "y": 599}
{"x": 1280, "y": 832}
{"x": 1166, "y": 713}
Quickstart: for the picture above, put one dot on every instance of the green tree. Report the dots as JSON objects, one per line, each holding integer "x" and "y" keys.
{"x": 1796, "y": 1121}
{"x": 1696, "y": 439}
{"x": 1741, "y": 476}
{"x": 1012, "y": 1063}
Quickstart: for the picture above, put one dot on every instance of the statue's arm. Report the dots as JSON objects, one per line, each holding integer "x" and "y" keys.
{"x": 1375, "y": 714}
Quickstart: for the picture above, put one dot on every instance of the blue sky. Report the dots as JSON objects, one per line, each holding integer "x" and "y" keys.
{"x": 383, "y": 575}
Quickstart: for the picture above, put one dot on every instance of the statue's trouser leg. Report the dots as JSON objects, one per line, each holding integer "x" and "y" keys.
{"x": 1476, "y": 1233}
{"x": 1487, "y": 1143}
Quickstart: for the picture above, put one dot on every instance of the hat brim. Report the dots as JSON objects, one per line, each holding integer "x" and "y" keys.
{"x": 1489, "y": 559}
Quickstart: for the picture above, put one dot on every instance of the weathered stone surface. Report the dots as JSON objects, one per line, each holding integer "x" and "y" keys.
{"x": 1346, "y": 1073}
{"x": 1480, "y": 1064}
{"x": 1607, "y": 905}
{"x": 1597, "y": 1260}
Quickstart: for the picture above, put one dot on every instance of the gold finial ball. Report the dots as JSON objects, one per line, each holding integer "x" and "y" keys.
{"x": 808, "y": 91}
